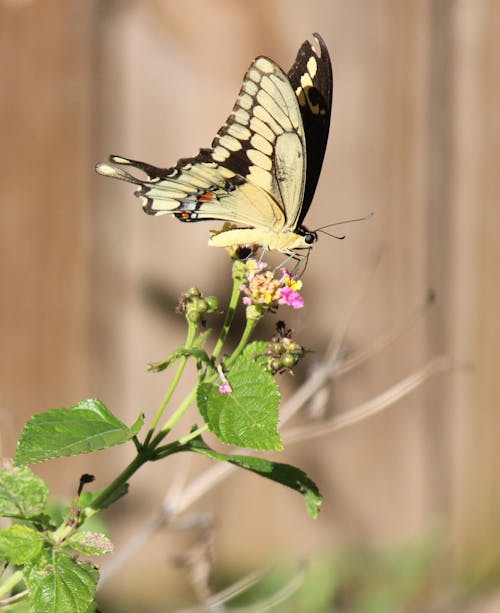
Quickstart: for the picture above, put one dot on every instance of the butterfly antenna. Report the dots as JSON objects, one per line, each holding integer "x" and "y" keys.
{"x": 340, "y": 223}
{"x": 340, "y": 238}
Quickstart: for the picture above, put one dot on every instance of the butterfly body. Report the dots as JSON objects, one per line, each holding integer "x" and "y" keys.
{"x": 264, "y": 163}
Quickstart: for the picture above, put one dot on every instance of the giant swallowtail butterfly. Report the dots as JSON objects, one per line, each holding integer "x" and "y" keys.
{"x": 263, "y": 166}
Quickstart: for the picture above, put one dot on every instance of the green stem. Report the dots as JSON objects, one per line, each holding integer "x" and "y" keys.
{"x": 146, "y": 451}
{"x": 117, "y": 483}
{"x": 245, "y": 337}
{"x": 193, "y": 434}
{"x": 175, "y": 381}
{"x": 64, "y": 530}
{"x": 163, "y": 452}
{"x": 174, "y": 418}
{"x": 11, "y": 582}
{"x": 185, "y": 404}
{"x": 233, "y": 303}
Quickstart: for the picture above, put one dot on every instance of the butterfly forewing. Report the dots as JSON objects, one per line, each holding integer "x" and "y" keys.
{"x": 265, "y": 120}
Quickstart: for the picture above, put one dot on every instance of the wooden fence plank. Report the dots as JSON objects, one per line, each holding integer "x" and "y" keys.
{"x": 45, "y": 51}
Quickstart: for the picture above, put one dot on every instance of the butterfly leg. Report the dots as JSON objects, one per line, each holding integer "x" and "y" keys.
{"x": 302, "y": 259}
{"x": 299, "y": 260}
{"x": 297, "y": 257}
{"x": 262, "y": 253}
{"x": 291, "y": 256}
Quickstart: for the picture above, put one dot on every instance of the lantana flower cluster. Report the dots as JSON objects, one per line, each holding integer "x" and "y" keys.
{"x": 266, "y": 292}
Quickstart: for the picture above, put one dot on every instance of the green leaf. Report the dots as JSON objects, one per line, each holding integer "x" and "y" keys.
{"x": 59, "y": 584}
{"x": 287, "y": 475}
{"x": 247, "y": 417}
{"x": 91, "y": 543}
{"x": 22, "y": 494}
{"x": 88, "y": 426}
{"x": 20, "y": 544}
{"x": 254, "y": 351}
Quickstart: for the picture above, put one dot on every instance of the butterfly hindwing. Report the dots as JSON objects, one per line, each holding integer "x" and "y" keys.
{"x": 311, "y": 79}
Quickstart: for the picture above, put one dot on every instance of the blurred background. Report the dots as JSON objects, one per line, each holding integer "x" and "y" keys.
{"x": 90, "y": 284}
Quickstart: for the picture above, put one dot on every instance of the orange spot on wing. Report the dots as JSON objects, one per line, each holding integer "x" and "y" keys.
{"x": 207, "y": 197}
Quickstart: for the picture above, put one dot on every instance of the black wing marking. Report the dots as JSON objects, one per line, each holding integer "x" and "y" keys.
{"x": 312, "y": 81}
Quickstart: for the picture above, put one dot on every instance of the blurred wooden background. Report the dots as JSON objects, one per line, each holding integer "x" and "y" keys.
{"x": 89, "y": 283}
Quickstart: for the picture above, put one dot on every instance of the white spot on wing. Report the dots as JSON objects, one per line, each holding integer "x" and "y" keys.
{"x": 259, "y": 127}
{"x": 245, "y": 101}
{"x": 260, "y": 143}
{"x": 250, "y": 87}
{"x": 241, "y": 115}
{"x": 254, "y": 75}
{"x": 220, "y": 154}
{"x": 264, "y": 64}
{"x": 229, "y": 142}
{"x": 312, "y": 66}
{"x": 239, "y": 131}
{"x": 306, "y": 81}
{"x": 301, "y": 97}
{"x": 259, "y": 159}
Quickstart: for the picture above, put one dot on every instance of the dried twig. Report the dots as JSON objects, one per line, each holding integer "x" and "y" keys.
{"x": 372, "y": 406}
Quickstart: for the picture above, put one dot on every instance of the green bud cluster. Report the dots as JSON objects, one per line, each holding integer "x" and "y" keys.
{"x": 195, "y": 306}
{"x": 283, "y": 355}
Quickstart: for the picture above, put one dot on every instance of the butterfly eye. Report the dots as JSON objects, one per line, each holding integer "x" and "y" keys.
{"x": 310, "y": 238}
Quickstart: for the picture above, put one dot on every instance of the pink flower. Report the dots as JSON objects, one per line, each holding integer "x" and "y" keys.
{"x": 225, "y": 388}
{"x": 291, "y": 297}
{"x": 289, "y": 294}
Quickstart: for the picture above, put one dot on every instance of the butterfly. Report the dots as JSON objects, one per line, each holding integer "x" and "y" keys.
{"x": 261, "y": 172}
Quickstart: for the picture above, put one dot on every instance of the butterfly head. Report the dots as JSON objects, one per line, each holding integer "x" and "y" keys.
{"x": 308, "y": 237}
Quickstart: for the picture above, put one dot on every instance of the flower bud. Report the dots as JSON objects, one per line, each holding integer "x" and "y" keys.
{"x": 288, "y": 360}
{"x": 193, "y": 316}
{"x": 212, "y": 303}
{"x": 198, "y": 304}
{"x": 274, "y": 365}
